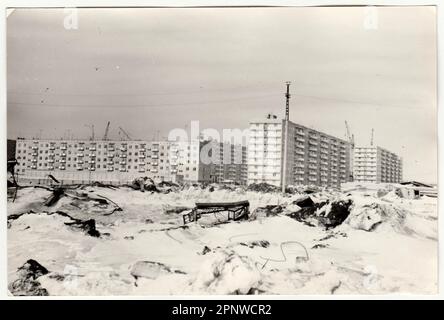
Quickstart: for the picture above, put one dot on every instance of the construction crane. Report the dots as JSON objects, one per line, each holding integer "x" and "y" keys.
{"x": 92, "y": 130}
{"x": 371, "y": 139}
{"x": 125, "y": 133}
{"x": 350, "y": 137}
{"x": 105, "y": 136}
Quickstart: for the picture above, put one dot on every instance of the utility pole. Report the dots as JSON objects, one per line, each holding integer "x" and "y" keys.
{"x": 371, "y": 140}
{"x": 285, "y": 123}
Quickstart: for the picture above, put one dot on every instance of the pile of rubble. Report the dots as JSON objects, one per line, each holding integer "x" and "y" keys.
{"x": 147, "y": 184}
{"x": 263, "y": 187}
{"x": 26, "y": 283}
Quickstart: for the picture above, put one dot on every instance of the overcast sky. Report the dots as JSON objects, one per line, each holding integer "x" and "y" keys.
{"x": 151, "y": 70}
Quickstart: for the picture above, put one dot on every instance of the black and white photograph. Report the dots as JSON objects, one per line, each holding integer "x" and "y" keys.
{"x": 207, "y": 151}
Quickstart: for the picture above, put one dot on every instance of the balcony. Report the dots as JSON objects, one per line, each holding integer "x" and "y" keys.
{"x": 62, "y": 168}
{"x": 122, "y": 162}
{"x": 110, "y": 163}
{"x": 79, "y": 154}
{"x": 92, "y": 161}
{"x": 92, "y": 148}
{"x": 35, "y": 147}
{"x": 51, "y": 148}
{"x": 81, "y": 149}
{"x": 63, "y": 147}
{"x": 92, "y": 169}
{"x": 51, "y": 160}
{"x": 122, "y": 155}
{"x": 91, "y": 155}
{"x": 110, "y": 169}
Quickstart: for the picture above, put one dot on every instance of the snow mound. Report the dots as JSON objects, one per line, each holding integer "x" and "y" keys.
{"x": 369, "y": 217}
{"x": 226, "y": 272}
{"x": 151, "y": 269}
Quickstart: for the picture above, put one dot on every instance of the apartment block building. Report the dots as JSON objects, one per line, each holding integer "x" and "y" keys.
{"x": 302, "y": 156}
{"x": 109, "y": 161}
{"x": 224, "y": 163}
{"x": 377, "y": 165}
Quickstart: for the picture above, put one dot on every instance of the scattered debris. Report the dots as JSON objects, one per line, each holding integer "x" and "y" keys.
{"x": 226, "y": 272}
{"x": 304, "y": 202}
{"x": 26, "y": 284}
{"x": 57, "y": 193}
{"x": 336, "y": 287}
{"x": 259, "y": 243}
{"x": 326, "y": 214}
{"x": 320, "y": 246}
{"x": 88, "y": 226}
{"x": 206, "y": 250}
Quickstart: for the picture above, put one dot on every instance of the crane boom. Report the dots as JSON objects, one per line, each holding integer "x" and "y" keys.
{"x": 350, "y": 137}
{"x": 125, "y": 133}
{"x": 105, "y": 137}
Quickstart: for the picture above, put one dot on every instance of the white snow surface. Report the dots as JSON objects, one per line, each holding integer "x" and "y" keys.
{"x": 387, "y": 245}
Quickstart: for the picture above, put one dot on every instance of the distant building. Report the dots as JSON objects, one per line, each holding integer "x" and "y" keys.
{"x": 311, "y": 157}
{"x": 375, "y": 164}
{"x": 76, "y": 161}
{"x": 226, "y": 163}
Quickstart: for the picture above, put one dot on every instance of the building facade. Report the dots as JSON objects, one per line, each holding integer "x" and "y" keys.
{"x": 107, "y": 161}
{"x": 377, "y": 165}
{"x": 303, "y": 156}
{"x": 83, "y": 161}
{"x": 223, "y": 163}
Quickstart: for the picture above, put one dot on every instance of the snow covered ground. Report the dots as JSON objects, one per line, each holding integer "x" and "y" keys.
{"x": 387, "y": 244}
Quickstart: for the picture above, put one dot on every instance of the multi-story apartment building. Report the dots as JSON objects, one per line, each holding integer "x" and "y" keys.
{"x": 110, "y": 161}
{"x": 375, "y": 164}
{"x": 225, "y": 163}
{"x": 281, "y": 152}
